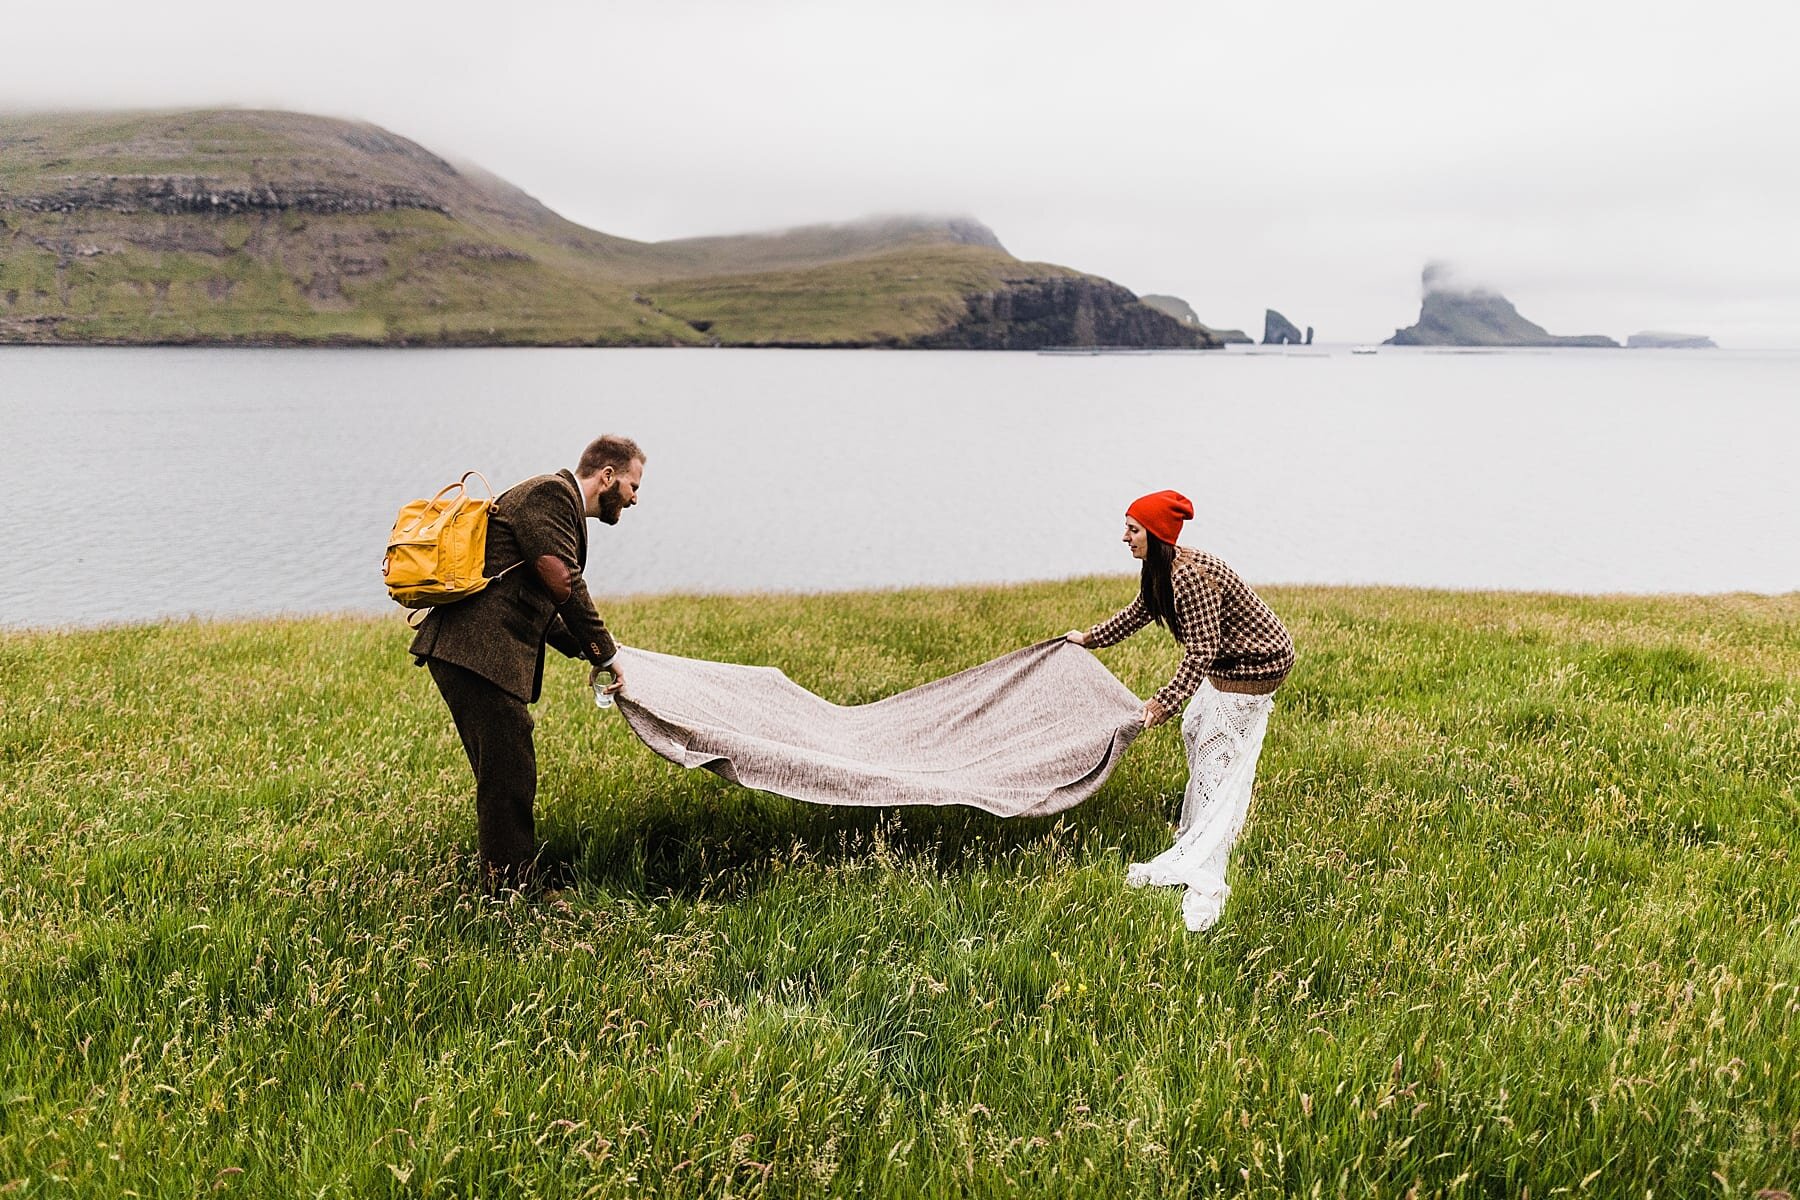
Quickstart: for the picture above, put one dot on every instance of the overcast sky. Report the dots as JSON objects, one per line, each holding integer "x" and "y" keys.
{"x": 1611, "y": 166}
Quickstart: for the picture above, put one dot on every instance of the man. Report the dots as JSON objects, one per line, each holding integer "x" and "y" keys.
{"x": 486, "y": 653}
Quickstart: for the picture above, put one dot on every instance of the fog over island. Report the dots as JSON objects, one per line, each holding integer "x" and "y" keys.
{"x": 1612, "y": 168}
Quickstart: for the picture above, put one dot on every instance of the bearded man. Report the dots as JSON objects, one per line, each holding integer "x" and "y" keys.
{"x": 486, "y": 653}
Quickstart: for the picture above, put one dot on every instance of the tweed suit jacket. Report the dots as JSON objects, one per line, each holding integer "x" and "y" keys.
{"x": 500, "y": 632}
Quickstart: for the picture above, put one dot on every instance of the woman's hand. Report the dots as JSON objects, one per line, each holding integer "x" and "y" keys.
{"x": 1154, "y": 714}
{"x": 1077, "y": 636}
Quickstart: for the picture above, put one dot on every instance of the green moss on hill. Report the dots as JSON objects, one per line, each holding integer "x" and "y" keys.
{"x": 236, "y": 226}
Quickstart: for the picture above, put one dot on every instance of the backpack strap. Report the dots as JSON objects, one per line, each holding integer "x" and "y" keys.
{"x": 495, "y": 578}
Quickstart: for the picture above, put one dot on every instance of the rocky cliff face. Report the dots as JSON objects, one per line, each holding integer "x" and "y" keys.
{"x": 1279, "y": 331}
{"x": 1033, "y": 314}
{"x": 171, "y": 194}
{"x": 1451, "y": 315}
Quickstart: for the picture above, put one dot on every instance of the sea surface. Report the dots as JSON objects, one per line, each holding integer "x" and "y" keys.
{"x": 153, "y": 483}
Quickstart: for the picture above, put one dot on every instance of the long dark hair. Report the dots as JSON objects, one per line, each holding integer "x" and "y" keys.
{"x": 1156, "y": 586}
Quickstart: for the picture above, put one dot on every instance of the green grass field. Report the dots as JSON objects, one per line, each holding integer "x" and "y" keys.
{"x": 1517, "y": 912}
{"x": 883, "y": 299}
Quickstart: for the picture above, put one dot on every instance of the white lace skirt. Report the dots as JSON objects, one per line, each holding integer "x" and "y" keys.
{"x": 1223, "y": 733}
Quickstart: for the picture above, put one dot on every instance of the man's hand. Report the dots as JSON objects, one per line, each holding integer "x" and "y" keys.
{"x": 618, "y": 679}
{"x": 1154, "y": 714}
{"x": 1077, "y": 636}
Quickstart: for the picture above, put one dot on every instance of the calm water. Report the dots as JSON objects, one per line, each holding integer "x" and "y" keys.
{"x": 147, "y": 483}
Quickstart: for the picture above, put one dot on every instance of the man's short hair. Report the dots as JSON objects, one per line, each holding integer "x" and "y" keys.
{"x": 608, "y": 450}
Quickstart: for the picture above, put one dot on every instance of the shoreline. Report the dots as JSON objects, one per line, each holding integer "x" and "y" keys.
{"x": 902, "y": 591}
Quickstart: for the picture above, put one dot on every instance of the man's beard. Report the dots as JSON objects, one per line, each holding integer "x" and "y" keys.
{"x": 610, "y": 504}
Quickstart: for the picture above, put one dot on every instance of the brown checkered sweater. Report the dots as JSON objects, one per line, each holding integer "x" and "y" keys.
{"x": 1227, "y": 632}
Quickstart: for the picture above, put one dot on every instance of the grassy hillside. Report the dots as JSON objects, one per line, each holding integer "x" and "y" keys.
{"x": 233, "y": 226}
{"x": 814, "y": 246}
{"x": 876, "y": 299}
{"x": 1514, "y": 914}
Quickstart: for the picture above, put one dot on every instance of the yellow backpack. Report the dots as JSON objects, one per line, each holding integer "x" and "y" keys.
{"x": 438, "y": 549}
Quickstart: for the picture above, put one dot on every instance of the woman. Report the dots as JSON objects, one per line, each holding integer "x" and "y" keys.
{"x": 1236, "y": 653}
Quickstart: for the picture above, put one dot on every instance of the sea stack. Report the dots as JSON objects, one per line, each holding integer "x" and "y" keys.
{"x": 1457, "y": 315}
{"x": 1279, "y": 331}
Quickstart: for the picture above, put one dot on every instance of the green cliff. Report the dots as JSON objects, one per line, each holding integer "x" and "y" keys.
{"x": 243, "y": 227}
{"x": 1451, "y": 315}
{"x": 1178, "y": 308}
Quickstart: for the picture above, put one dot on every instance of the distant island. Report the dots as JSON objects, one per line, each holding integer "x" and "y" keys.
{"x": 228, "y": 227}
{"x": 1279, "y": 331}
{"x": 1456, "y": 316}
{"x": 1178, "y": 308}
{"x": 1669, "y": 341}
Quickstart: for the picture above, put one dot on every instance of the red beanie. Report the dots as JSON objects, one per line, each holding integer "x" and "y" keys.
{"x": 1162, "y": 513}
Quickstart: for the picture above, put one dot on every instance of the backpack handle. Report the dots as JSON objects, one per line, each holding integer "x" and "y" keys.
{"x": 461, "y": 485}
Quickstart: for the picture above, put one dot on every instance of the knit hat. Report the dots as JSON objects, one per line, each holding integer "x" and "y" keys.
{"x": 1162, "y": 513}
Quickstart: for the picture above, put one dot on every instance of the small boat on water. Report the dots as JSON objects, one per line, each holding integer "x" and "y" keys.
{"x": 1362, "y": 349}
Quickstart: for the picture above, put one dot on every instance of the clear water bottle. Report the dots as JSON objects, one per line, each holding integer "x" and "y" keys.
{"x": 602, "y": 697}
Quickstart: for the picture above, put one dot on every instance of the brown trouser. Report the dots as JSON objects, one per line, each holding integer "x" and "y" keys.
{"x": 495, "y": 727}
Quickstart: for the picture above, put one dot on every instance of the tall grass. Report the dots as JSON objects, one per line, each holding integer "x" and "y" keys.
{"x": 1516, "y": 912}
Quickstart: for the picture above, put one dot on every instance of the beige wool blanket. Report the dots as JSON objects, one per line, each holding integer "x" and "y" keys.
{"x": 1030, "y": 733}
